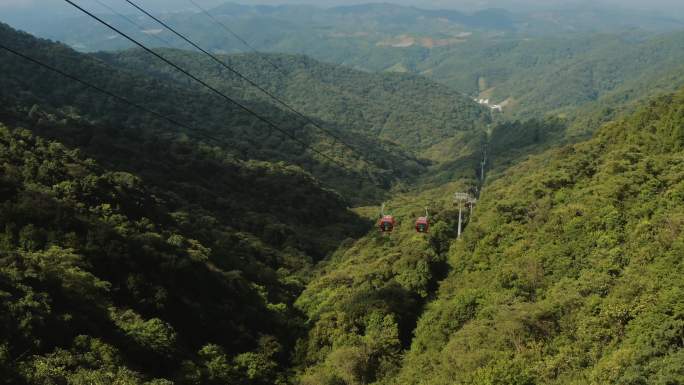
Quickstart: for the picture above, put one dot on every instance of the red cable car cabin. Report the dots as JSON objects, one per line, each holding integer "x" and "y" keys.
{"x": 422, "y": 225}
{"x": 386, "y": 224}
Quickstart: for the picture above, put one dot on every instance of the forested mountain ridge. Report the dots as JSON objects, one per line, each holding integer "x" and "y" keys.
{"x": 394, "y": 121}
{"x": 405, "y": 109}
{"x": 559, "y": 75}
{"x": 245, "y": 137}
{"x": 570, "y": 271}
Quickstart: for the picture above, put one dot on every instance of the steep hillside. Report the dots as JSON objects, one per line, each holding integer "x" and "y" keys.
{"x": 104, "y": 275}
{"x": 570, "y": 271}
{"x": 365, "y": 301}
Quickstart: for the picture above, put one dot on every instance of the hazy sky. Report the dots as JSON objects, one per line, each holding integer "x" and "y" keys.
{"x": 60, "y": 5}
{"x": 422, "y": 3}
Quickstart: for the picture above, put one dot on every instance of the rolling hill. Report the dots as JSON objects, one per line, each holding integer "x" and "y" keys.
{"x": 407, "y": 110}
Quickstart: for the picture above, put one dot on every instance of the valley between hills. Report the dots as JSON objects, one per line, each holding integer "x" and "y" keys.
{"x": 219, "y": 224}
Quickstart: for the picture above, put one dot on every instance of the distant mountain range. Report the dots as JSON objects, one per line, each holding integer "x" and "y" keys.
{"x": 268, "y": 27}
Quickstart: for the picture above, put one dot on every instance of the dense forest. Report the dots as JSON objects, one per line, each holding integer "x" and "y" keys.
{"x": 181, "y": 257}
{"x": 218, "y": 250}
{"x": 364, "y": 103}
{"x": 129, "y": 255}
{"x": 239, "y": 134}
{"x": 570, "y": 272}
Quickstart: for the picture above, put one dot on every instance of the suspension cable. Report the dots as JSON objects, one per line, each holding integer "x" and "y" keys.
{"x": 211, "y": 88}
{"x": 251, "y": 82}
{"x": 110, "y": 94}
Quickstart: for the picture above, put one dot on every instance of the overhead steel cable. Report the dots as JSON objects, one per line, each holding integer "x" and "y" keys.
{"x": 164, "y": 42}
{"x": 244, "y": 41}
{"x": 233, "y": 33}
{"x": 193, "y": 130}
{"x": 111, "y": 94}
{"x": 213, "y": 89}
{"x": 250, "y": 81}
{"x": 131, "y": 21}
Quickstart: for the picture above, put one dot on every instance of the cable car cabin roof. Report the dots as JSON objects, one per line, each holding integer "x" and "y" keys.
{"x": 387, "y": 218}
{"x": 386, "y": 224}
{"x": 422, "y": 220}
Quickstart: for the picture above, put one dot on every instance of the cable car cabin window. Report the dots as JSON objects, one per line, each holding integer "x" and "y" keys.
{"x": 422, "y": 225}
{"x": 386, "y": 226}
